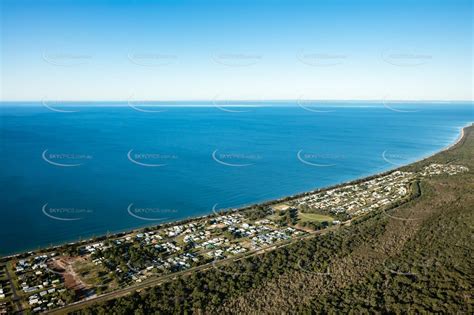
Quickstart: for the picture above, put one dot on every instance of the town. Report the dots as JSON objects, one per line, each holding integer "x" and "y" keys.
{"x": 41, "y": 281}
{"x": 360, "y": 198}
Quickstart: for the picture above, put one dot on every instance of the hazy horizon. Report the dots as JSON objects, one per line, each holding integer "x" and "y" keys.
{"x": 371, "y": 101}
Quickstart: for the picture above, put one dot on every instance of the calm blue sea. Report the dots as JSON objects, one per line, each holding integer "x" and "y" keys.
{"x": 89, "y": 168}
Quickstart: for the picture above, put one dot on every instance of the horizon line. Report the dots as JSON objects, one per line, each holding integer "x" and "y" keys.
{"x": 238, "y": 100}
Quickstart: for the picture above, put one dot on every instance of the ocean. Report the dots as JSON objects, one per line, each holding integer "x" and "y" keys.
{"x": 86, "y": 169}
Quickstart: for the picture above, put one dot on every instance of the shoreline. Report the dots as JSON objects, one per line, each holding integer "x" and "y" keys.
{"x": 459, "y": 139}
{"x": 449, "y": 146}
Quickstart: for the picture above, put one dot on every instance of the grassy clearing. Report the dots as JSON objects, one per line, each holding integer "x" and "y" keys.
{"x": 313, "y": 217}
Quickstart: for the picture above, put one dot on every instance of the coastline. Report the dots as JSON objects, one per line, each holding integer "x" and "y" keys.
{"x": 449, "y": 146}
{"x": 460, "y": 138}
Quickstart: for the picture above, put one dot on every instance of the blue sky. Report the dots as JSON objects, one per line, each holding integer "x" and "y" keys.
{"x": 202, "y": 50}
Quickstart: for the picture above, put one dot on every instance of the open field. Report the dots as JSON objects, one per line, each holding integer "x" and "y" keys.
{"x": 314, "y": 217}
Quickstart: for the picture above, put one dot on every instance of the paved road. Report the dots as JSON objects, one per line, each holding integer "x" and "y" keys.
{"x": 16, "y": 299}
{"x": 151, "y": 282}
